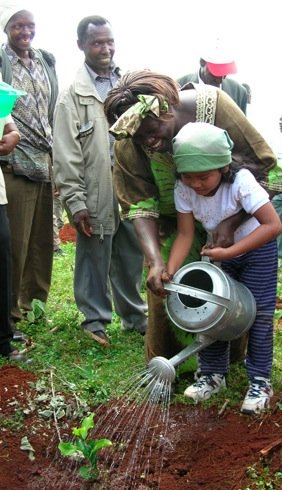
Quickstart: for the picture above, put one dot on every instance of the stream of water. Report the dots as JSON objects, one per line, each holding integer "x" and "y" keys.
{"x": 136, "y": 422}
{"x": 138, "y": 419}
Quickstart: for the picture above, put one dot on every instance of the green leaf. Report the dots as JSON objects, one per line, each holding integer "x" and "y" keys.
{"x": 45, "y": 413}
{"x": 86, "y": 424}
{"x": 67, "y": 448}
{"x": 83, "y": 447}
{"x": 30, "y": 316}
{"x": 60, "y": 413}
{"x": 26, "y": 446}
{"x": 42, "y": 398}
{"x": 38, "y": 309}
{"x": 101, "y": 443}
{"x": 86, "y": 472}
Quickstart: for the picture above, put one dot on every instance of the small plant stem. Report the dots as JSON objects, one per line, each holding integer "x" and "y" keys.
{"x": 220, "y": 412}
{"x": 55, "y": 329}
{"x": 54, "y": 413}
{"x": 268, "y": 449}
{"x": 28, "y": 348}
{"x": 77, "y": 399}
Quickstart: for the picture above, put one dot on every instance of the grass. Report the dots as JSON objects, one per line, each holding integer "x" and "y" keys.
{"x": 74, "y": 374}
{"x": 13, "y": 423}
{"x": 94, "y": 374}
{"x": 80, "y": 366}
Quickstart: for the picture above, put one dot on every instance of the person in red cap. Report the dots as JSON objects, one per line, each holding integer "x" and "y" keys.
{"x": 213, "y": 70}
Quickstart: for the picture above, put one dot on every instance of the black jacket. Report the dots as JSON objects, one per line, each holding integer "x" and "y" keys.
{"x": 234, "y": 89}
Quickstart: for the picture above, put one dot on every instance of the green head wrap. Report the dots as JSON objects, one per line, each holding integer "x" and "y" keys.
{"x": 129, "y": 122}
{"x": 199, "y": 147}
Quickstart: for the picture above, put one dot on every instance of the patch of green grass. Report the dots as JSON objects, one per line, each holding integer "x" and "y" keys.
{"x": 96, "y": 374}
{"x": 262, "y": 479}
{"x": 13, "y": 423}
{"x": 81, "y": 366}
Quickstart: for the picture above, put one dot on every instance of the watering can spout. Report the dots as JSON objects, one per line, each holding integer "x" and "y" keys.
{"x": 207, "y": 302}
{"x": 164, "y": 369}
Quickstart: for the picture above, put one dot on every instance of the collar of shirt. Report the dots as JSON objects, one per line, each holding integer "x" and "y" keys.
{"x": 104, "y": 84}
{"x": 114, "y": 74}
{"x": 14, "y": 58}
{"x": 201, "y": 82}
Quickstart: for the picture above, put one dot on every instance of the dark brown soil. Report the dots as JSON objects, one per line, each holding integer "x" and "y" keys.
{"x": 199, "y": 450}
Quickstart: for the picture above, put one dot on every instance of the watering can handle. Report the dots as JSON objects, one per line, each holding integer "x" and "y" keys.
{"x": 206, "y": 258}
{"x": 173, "y": 287}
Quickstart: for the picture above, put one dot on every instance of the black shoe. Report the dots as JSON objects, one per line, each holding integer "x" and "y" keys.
{"x": 19, "y": 336}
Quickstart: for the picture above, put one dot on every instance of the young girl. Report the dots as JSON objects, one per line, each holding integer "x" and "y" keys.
{"x": 209, "y": 191}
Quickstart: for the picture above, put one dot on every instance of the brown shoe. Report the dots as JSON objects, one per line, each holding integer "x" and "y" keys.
{"x": 99, "y": 337}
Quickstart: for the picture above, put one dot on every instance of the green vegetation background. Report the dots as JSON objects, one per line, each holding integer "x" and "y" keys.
{"x": 93, "y": 374}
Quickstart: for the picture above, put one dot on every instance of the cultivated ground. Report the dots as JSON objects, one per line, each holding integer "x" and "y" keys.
{"x": 177, "y": 447}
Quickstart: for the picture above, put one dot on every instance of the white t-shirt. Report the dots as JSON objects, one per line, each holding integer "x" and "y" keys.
{"x": 244, "y": 193}
{"x": 3, "y": 197}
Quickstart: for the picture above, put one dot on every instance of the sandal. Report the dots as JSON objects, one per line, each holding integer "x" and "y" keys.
{"x": 100, "y": 337}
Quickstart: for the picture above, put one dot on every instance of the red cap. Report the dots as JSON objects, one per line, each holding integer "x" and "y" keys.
{"x": 221, "y": 69}
{"x": 219, "y": 58}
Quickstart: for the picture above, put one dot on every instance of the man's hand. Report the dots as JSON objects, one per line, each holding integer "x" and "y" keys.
{"x": 81, "y": 221}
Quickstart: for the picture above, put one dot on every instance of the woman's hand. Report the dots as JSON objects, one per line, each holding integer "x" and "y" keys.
{"x": 223, "y": 235}
{"x": 147, "y": 230}
{"x": 157, "y": 275}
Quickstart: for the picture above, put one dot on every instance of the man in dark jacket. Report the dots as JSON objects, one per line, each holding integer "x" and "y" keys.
{"x": 213, "y": 70}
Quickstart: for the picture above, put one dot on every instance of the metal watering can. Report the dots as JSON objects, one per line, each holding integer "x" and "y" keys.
{"x": 206, "y": 301}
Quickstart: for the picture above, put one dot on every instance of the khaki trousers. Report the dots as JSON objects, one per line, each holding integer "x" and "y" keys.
{"x": 30, "y": 213}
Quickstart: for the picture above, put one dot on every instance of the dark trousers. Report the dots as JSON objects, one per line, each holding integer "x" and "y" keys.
{"x": 5, "y": 282}
{"x": 120, "y": 259}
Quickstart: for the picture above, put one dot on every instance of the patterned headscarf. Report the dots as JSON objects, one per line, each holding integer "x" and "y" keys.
{"x": 129, "y": 122}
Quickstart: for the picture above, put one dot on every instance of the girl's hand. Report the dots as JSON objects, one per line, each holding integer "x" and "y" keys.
{"x": 217, "y": 254}
{"x": 166, "y": 277}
